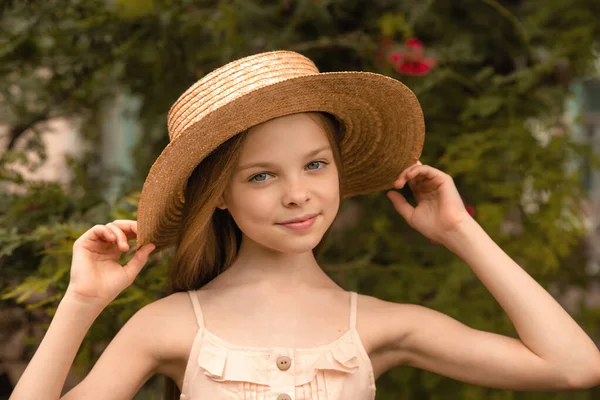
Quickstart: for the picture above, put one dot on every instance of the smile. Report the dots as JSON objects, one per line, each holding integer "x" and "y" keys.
{"x": 298, "y": 226}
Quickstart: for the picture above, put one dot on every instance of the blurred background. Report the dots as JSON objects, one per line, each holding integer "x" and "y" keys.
{"x": 511, "y": 95}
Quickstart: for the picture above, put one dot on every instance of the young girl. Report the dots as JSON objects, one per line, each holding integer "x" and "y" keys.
{"x": 262, "y": 152}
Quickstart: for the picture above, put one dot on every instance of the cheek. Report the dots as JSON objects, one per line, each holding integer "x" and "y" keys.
{"x": 331, "y": 190}
{"x": 332, "y": 204}
{"x": 251, "y": 206}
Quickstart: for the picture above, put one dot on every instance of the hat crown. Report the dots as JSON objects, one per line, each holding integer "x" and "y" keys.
{"x": 234, "y": 80}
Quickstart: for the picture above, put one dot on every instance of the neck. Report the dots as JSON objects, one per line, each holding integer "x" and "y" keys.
{"x": 256, "y": 265}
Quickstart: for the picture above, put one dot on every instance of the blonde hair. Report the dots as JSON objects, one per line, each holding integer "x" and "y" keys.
{"x": 209, "y": 239}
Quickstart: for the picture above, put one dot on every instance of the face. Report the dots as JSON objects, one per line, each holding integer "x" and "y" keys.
{"x": 285, "y": 170}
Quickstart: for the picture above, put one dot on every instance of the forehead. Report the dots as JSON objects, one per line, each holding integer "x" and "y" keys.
{"x": 296, "y": 132}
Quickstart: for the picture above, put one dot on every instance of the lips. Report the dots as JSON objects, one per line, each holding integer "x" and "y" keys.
{"x": 299, "y": 219}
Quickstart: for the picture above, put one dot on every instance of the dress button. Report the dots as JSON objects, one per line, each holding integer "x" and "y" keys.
{"x": 283, "y": 363}
{"x": 284, "y": 396}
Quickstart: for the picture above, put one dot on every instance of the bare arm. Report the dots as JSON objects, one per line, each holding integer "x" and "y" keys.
{"x": 47, "y": 371}
{"x": 97, "y": 278}
{"x": 134, "y": 355}
{"x": 427, "y": 339}
{"x": 544, "y": 327}
{"x": 552, "y": 351}
{"x": 131, "y": 358}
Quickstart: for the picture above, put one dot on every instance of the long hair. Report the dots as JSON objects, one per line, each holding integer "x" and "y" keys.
{"x": 208, "y": 238}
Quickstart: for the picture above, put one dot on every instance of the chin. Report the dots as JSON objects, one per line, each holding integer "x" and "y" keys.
{"x": 290, "y": 243}
{"x": 293, "y": 246}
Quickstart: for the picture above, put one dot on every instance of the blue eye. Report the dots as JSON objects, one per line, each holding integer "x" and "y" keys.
{"x": 253, "y": 179}
{"x": 315, "y": 162}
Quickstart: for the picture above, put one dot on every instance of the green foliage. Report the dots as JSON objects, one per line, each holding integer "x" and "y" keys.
{"x": 502, "y": 77}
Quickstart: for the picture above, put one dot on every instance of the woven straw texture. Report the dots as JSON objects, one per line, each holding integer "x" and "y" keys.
{"x": 383, "y": 127}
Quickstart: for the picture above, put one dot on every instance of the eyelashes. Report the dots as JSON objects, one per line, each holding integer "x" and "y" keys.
{"x": 252, "y": 179}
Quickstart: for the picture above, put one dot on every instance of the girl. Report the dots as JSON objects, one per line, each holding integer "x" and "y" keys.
{"x": 262, "y": 151}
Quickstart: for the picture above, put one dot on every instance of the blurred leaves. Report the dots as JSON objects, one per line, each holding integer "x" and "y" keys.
{"x": 493, "y": 106}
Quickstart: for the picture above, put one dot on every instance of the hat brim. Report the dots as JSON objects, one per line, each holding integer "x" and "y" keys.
{"x": 384, "y": 131}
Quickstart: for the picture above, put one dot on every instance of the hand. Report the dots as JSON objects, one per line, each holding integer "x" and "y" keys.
{"x": 440, "y": 209}
{"x": 97, "y": 278}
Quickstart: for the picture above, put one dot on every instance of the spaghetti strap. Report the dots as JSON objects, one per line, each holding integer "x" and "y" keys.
{"x": 353, "y": 309}
{"x": 197, "y": 309}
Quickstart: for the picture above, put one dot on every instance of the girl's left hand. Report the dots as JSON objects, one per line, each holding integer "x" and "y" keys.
{"x": 440, "y": 209}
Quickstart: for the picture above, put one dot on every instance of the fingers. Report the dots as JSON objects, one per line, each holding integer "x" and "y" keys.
{"x": 128, "y": 227}
{"x": 399, "y": 183}
{"x": 103, "y": 232}
{"x": 408, "y": 174}
{"x": 118, "y": 231}
{"x": 124, "y": 230}
{"x": 135, "y": 265}
{"x": 120, "y": 238}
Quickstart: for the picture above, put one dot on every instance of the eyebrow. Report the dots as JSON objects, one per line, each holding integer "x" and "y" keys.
{"x": 270, "y": 165}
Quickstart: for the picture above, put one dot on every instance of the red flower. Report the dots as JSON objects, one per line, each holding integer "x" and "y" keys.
{"x": 415, "y": 68}
{"x": 414, "y": 49}
{"x": 410, "y": 60}
{"x": 413, "y": 42}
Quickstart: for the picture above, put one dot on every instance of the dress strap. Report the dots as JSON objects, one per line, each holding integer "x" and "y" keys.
{"x": 197, "y": 309}
{"x": 353, "y": 309}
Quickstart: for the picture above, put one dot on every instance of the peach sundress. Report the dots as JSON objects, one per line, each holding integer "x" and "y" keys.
{"x": 217, "y": 369}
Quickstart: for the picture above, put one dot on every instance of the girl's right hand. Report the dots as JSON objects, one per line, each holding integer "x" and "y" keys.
{"x": 97, "y": 278}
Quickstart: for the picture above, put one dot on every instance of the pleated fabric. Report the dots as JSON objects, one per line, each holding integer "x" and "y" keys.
{"x": 217, "y": 369}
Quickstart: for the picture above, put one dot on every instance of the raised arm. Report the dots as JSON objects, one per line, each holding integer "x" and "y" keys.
{"x": 96, "y": 280}
{"x": 552, "y": 352}
{"x": 423, "y": 338}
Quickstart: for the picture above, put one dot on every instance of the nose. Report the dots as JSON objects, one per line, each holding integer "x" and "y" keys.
{"x": 296, "y": 193}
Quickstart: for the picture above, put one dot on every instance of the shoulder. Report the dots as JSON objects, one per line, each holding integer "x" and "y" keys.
{"x": 146, "y": 345}
{"x": 175, "y": 309}
{"x": 173, "y": 328}
{"x": 171, "y": 317}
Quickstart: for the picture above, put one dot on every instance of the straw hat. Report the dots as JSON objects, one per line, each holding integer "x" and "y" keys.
{"x": 382, "y": 120}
